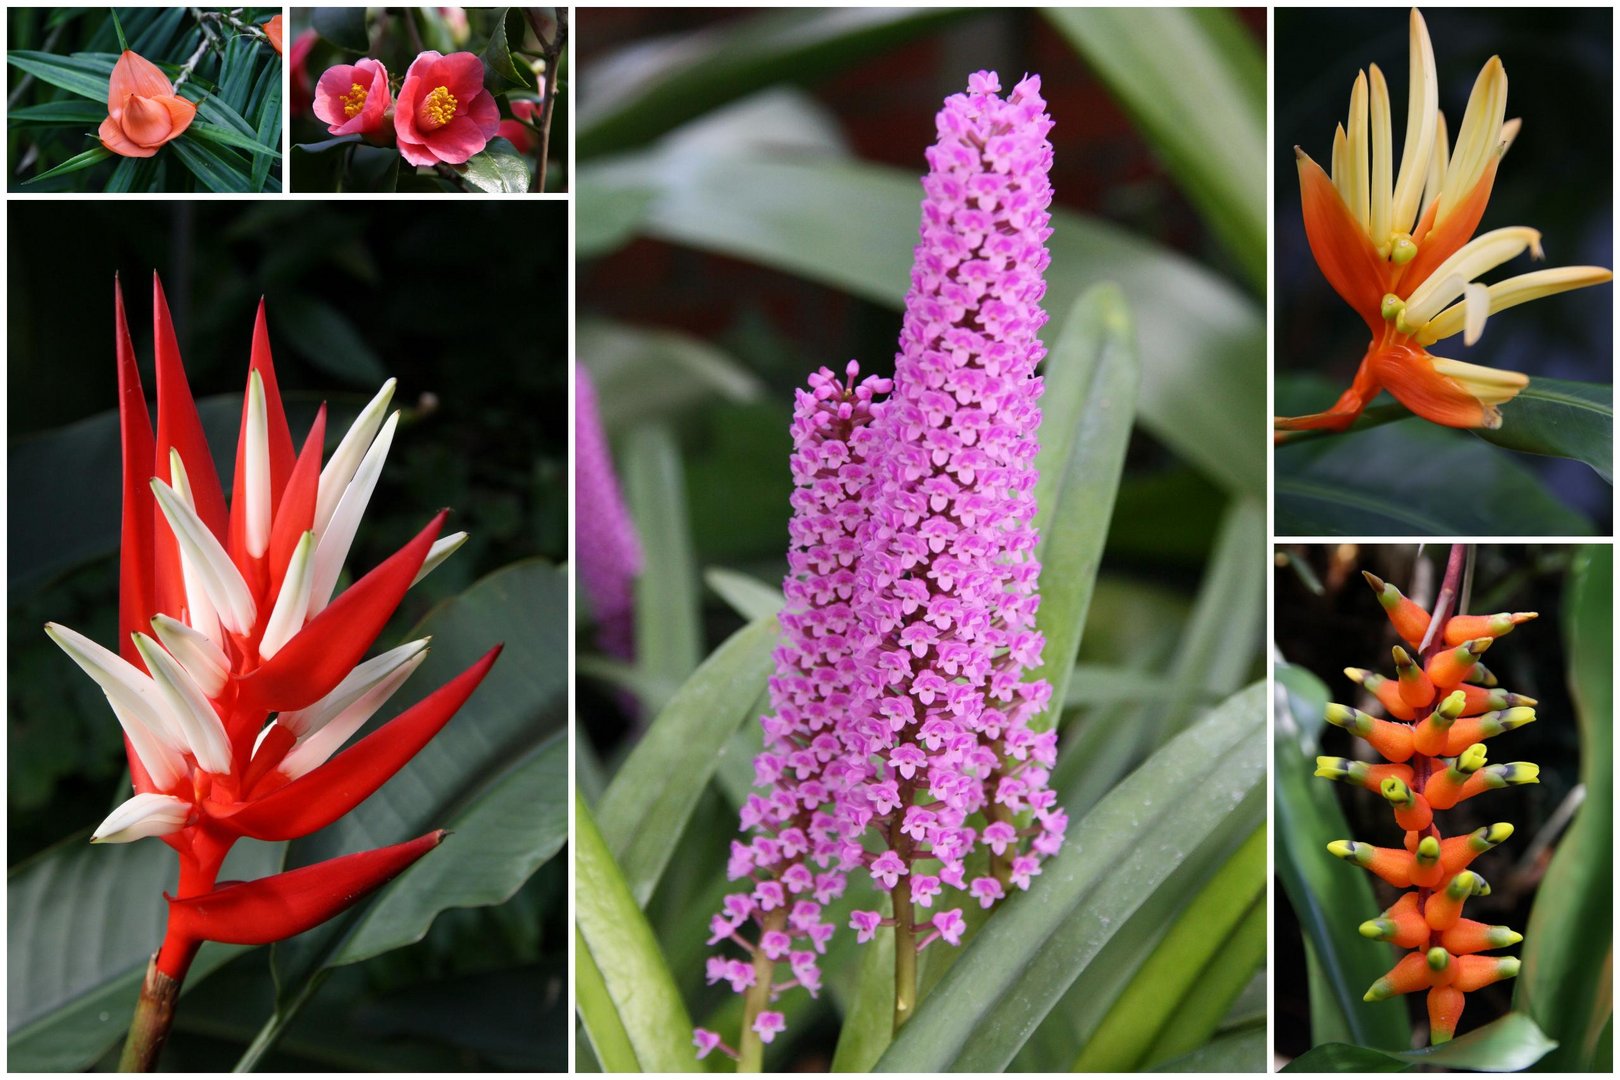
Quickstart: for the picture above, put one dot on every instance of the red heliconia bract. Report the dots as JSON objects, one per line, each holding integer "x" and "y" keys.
{"x": 239, "y": 675}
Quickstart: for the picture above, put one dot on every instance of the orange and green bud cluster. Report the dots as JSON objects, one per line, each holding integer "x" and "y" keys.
{"x": 1441, "y": 705}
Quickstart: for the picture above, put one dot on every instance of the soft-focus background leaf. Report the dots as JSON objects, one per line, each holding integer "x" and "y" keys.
{"x": 1508, "y": 1044}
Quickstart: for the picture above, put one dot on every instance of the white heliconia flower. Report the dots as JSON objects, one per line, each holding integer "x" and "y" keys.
{"x": 287, "y": 618}
{"x": 335, "y": 540}
{"x": 314, "y": 748}
{"x": 356, "y": 685}
{"x": 148, "y": 814}
{"x": 208, "y": 667}
{"x": 256, "y": 469}
{"x": 199, "y": 608}
{"x": 340, "y": 468}
{"x": 442, "y": 549}
{"x": 153, "y": 732}
{"x": 218, "y": 576}
{"x": 204, "y": 731}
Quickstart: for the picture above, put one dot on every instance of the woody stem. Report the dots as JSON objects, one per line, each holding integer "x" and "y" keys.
{"x": 1445, "y": 604}
{"x": 750, "y": 1048}
{"x": 154, "y": 1016}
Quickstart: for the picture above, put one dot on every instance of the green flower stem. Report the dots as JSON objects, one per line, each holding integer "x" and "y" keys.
{"x": 750, "y": 1049}
{"x": 154, "y": 1016}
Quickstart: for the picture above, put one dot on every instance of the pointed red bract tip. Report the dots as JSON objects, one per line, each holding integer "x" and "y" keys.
{"x": 1340, "y": 245}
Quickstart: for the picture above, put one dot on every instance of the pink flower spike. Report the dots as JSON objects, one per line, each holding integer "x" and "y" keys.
{"x": 443, "y": 113}
{"x": 706, "y": 1042}
{"x": 865, "y": 924}
{"x": 352, "y": 99}
{"x": 987, "y": 889}
{"x": 768, "y": 1024}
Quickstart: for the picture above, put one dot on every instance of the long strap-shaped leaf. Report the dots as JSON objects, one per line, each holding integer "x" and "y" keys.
{"x": 641, "y": 994}
{"x": 646, "y": 807}
{"x": 1032, "y": 950}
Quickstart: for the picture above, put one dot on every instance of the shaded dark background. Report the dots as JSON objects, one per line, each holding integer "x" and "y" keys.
{"x": 1342, "y": 626}
{"x": 1557, "y": 177}
{"x": 466, "y": 307}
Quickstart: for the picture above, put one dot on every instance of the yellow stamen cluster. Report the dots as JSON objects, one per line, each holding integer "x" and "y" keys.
{"x": 354, "y": 101}
{"x": 439, "y": 106}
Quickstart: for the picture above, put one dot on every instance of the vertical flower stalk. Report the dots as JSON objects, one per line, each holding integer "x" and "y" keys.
{"x": 900, "y": 747}
{"x": 606, "y": 548}
{"x": 800, "y": 841}
{"x": 948, "y": 573}
{"x": 1442, "y": 706}
{"x": 239, "y": 674}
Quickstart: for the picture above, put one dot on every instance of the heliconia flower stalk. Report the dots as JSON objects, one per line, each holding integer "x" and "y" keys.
{"x": 1397, "y": 244}
{"x": 239, "y": 675}
{"x": 1436, "y": 761}
{"x": 607, "y": 550}
{"x": 900, "y": 748}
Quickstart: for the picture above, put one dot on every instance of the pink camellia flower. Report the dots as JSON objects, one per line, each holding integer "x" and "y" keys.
{"x": 298, "y": 72}
{"x": 443, "y": 112}
{"x": 353, "y": 99}
{"x": 516, "y": 132}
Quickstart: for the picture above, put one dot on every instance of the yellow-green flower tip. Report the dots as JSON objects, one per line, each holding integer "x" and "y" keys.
{"x": 1390, "y": 309}
{"x": 1438, "y": 1036}
{"x": 1359, "y": 676}
{"x": 1377, "y": 929}
{"x": 1489, "y": 836}
{"x": 1428, "y": 849}
{"x": 1508, "y": 967}
{"x": 1478, "y": 646}
{"x": 1345, "y": 849}
{"x": 1501, "y": 937}
{"x": 1379, "y": 991}
{"x": 1403, "y": 659}
{"x": 1393, "y": 789}
{"x": 1471, "y": 759}
{"x": 1517, "y": 718}
{"x": 1465, "y": 884}
{"x": 1513, "y": 772}
{"x": 1334, "y": 768}
{"x": 1402, "y": 251}
{"x": 1438, "y": 959}
{"x": 1455, "y": 703}
{"x": 1343, "y": 716}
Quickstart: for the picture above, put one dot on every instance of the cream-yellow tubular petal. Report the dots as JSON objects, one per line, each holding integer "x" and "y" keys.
{"x": 1439, "y": 156}
{"x": 1422, "y": 122}
{"x": 1480, "y": 255}
{"x": 1380, "y": 213}
{"x": 1492, "y": 386}
{"x": 256, "y": 469}
{"x": 1476, "y": 307}
{"x": 1355, "y": 153}
{"x": 1341, "y": 167}
{"x": 1514, "y": 291}
{"x": 1478, "y": 138}
{"x": 1510, "y": 131}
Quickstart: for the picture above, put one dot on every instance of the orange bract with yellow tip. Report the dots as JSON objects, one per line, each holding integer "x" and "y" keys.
{"x": 1409, "y": 268}
{"x": 143, "y": 111}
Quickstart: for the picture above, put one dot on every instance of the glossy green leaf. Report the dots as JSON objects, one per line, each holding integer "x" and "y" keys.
{"x": 606, "y": 219}
{"x": 91, "y": 157}
{"x": 84, "y": 74}
{"x": 70, "y": 992}
{"x": 868, "y": 1025}
{"x": 748, "y": 596}
{"x": 1194, "y": 82}
{"x": 646, "y": 807}
{"x": 1157, "y": 1004}
{"x": 497, "y": 55}
{"x": 343, "y": 27}
{"x": 621, "y": 947}
{"x": 268, "y": 130}
{"x": 1566, "y": 981}
{"x": 640, "y": 93}
{"x": 1039, "y": 943}
{"x": 519, "y": 705}
{"x": 58, "y": 112}
{"x": 498, "y": 840}
{"x": 1561, "y": 418}
{"x": 599, "y": 1017}
{"x": 212, "y": 169}
{"x": 1412, "y": 478}
{"x": 669, "y": 640}
{"x": 853, "y": 226}
{"x": 644, "y": 374}
{"x": 1508, "y": 1044}
{"x": 1330, "y": 901}
{"x": 227, "y": 137}
{"x": 1087, "y": 410}
{"x": 498, "y": 167}
{"x": 1244, "y": 1050}
{"x": 322, "y": 334}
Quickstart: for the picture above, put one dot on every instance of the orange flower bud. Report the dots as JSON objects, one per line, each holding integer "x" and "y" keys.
{"x": 1480, "y": 699}
{"x": 1410, "y": 620}
{"x": 1458, "y": 851}
{"x": 1450, "y": 667}
{"x": 1392, "y": 741}
{"x": 1391, "y": 864}
{"x": 1401, "y": 924}
{"x": 1469, "y": 730}
{"x": 1474, "y": 972}
{"x": 1387, "y": 692}
{"x": 1445, "y": 1010}
{"x": 1469, "y": 936}
{"x": 1411, "y": 809}
{"x": 1445, "y": 906}
{"x": 1360, "y": 773}
{"x": 1410, "y": 974}
{"x": 1414, "y": 685}
{"x": 1464, "y": 628}
{"x": 1430, "y": 736}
